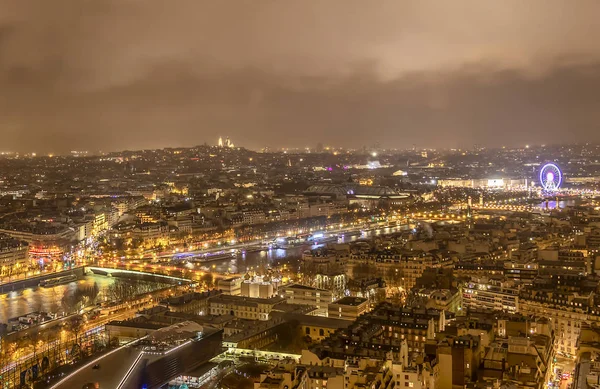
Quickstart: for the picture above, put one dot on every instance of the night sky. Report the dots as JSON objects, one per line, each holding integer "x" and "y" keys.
{"x": 131, "y": 74}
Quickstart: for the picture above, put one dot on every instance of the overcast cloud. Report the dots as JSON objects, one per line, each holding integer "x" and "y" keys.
{"x": 104, "y": 74}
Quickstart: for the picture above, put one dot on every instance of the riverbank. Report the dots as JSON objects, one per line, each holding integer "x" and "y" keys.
{"x": 15, "y": 286}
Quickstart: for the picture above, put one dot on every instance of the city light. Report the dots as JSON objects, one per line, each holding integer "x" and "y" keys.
{"x": 277, "y": 195}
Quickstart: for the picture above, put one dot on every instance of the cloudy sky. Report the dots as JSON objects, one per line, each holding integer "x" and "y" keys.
{"x": 130, "y": 74}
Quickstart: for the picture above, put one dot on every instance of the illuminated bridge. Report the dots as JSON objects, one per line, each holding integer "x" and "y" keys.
{"x": 123, "y": 273}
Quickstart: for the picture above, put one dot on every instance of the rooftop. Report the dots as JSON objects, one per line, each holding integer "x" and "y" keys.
{"x": 304, "y": 287}
{"x": 352, "y": 301}
{"x": 183, "y": 330}
{"x": 318, "y": 321}
{"x": 241, "y": 300}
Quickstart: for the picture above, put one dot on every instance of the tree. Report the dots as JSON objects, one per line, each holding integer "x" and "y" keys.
{"x": 6, "y": 351}
{"x": 380, "y": 296}
{"x": 54, "y": 301}
{"x": 208, "y": 279}
{"x": 36, "y": 341}
{"x": 364, "y": 270}
{"x": 308, "y": 270}
{"x": 75, "y": 326}
{"x": 69, "y": 303}
{"x": 73, "y": 301}
{"x": 122, "y": 290}
{"x": 290, "y": 337}
{"x": 88, "y": 294}
{"x": 393, "y": 277}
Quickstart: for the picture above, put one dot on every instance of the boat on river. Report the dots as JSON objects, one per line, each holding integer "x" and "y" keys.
{"x": 58, "y": 281}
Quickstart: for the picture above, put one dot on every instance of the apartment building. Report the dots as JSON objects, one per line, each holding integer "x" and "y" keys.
{"x": 307, "y": 295}
{"x": 243, "y": 307}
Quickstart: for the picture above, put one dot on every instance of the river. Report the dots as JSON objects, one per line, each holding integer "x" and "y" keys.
{"x": 277, "y": 257}
{"x": 561, "y": 204}
{"x": 22, "y": 302}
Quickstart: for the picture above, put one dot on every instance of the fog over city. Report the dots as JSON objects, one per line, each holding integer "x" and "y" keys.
{"x": 309, "y": 194}
{"x": 126, "y": 74}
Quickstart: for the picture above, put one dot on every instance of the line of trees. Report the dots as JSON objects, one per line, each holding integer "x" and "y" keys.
{"x": 127, "y": 289}
{"x": 82, "y": 296}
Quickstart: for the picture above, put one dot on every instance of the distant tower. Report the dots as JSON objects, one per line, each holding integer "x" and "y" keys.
{"x": 228, "y": 143}
{"x": 481, "y": 199}
{"x": 220, "y": 142}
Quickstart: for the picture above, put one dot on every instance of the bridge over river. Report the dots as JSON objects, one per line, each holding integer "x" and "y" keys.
{"x": 135, "y": 274}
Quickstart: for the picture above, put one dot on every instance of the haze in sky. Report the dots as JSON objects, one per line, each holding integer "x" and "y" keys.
{"x": 131, "y": 74}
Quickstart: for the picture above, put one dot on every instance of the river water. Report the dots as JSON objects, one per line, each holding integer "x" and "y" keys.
{"x": 277, "y": 257}
{"x": 22, "y": 302}
{"x": 561, "y": 204}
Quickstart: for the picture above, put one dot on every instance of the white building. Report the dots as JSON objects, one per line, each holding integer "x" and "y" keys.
{"x": 231, "y": 286}
{"x": 306, "y": 295}
{"x": 257, "y": 288}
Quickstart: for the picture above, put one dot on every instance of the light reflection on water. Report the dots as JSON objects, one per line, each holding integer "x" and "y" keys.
{"x": 22, "y": 302}
{"x": 19, "y": 303}
{"x": 561, "y": 204}
{"x": 276, "y": 257}
{"x": 254, "y": 260}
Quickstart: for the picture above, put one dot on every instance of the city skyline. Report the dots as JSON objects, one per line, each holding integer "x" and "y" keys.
{"x": 372, "y": 151}
{"x": 191, "y": 252}
{"x": 262, "y": 194}
{"x": 125, "y": 75}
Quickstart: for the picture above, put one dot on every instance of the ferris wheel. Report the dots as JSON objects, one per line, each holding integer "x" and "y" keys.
{"x": 550, "y": 177}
